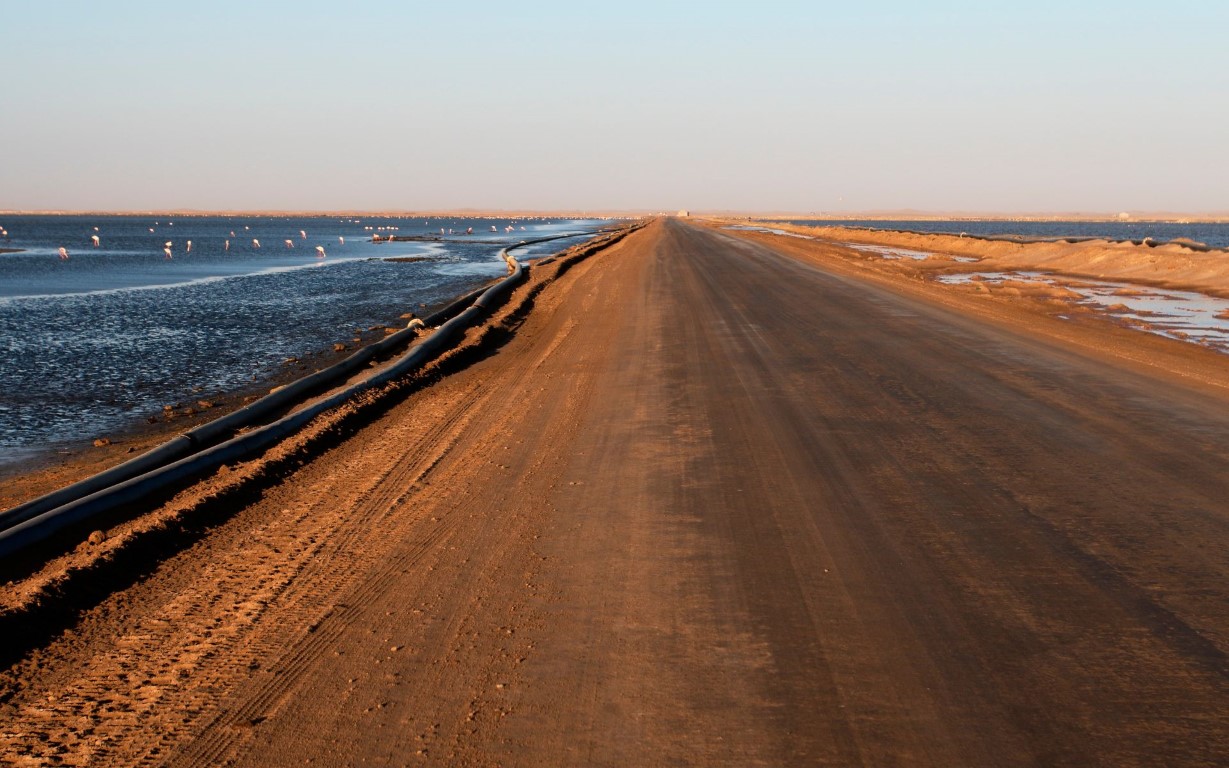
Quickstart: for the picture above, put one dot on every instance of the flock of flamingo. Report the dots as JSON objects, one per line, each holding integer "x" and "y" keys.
{"x": 168, "y": 247}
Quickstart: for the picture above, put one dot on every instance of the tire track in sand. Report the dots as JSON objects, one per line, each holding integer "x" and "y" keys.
{"x": 490, "y": 546}
{"x": 164, "y": 669}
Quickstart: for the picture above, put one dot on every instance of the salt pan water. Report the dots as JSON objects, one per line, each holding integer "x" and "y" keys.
{"x": 102, "y": 339}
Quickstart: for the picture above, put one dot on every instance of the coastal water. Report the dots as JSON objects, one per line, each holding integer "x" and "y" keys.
{"x": 109, "y": 335}
{"x": 1212, "y": 234}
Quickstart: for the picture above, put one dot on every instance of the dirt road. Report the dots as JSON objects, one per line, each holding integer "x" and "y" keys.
{"x": 711, "y": 505}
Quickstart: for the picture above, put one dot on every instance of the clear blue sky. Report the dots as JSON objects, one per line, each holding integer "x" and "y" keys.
{"x": 773, "y": 105}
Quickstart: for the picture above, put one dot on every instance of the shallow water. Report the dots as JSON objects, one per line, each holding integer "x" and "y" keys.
{"x": 890, "y": 252}
{"x": 782, "y": 232}
{"x": 1183, "y": 315}
{"x": 110, "y": 335}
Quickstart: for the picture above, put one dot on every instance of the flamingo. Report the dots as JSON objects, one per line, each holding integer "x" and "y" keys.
{"x": 255, "y": 243}
{"x": 227, "y": 246}
{"x": 95, "y": 229}
{"x": 320, "y": 251}
{"x": 63, "y": 254}
{"x": 469, "y": 230}
{"x": 167, "y": 251}
{"x": 375, "y": 238}
{"x": 341, "y": 240}
{"x": 289, "y": 243}
{"x": 151, "y": 229}
{"x": 303, "y": 234}
{"x": 189, "y": 248}
{"x": 95, "y": 239}
{"x": 167, "y": 244}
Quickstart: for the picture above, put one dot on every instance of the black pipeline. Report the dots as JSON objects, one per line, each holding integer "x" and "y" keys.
{"x": 187, "y": 455}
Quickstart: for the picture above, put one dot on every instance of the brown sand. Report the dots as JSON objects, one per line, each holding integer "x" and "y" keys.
{"x": 1172, "y": 265}
{"x": 1066, "y": 265}
{"x": 717, "y": 500}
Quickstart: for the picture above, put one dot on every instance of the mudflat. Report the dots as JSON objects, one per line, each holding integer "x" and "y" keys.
{"x": 717, "y": 500}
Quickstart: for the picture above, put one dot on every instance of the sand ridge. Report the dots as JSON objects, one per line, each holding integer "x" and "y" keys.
{"x": 1171, "y": 265}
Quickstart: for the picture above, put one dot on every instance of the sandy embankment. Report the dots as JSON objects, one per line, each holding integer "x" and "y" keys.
{"x": 1172, "y": 265}
{"x": 233, "y": 479}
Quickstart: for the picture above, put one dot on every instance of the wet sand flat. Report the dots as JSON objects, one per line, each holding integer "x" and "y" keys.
{"x": 718, "y": 500}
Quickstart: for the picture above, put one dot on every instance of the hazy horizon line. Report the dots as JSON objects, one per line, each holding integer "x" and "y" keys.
{"x": 914, "y": 214}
